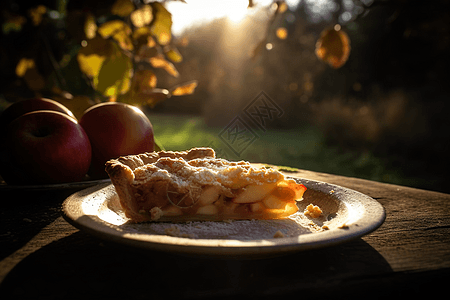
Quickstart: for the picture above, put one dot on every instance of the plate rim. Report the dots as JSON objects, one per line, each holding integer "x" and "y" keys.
{"x": 56, "y": 186}
{"x": 93, "y": 225}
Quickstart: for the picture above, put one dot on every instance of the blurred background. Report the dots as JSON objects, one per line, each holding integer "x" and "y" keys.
{"x": 377, "y": 109}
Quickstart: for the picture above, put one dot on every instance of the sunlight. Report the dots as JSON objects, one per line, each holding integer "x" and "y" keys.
{"x": 195, "y": 12}
{"x": 236, "y": 11}
{"x": 320, "y": 10}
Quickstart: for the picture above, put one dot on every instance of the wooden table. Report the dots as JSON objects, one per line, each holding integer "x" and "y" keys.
{"x": 44, "y": 257}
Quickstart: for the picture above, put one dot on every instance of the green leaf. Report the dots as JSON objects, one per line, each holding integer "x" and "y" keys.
{"x": 93, "y": 54}
{"x": 114, "y": 77}
{"x": 158, "y": 145}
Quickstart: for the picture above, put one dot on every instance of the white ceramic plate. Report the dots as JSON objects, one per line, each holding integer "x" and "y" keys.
{"x": 347, "y": 214}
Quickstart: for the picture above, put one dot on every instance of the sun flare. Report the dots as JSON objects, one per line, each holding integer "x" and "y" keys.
{"x": 200, "y": 11}
{"x": 235, "y": 11}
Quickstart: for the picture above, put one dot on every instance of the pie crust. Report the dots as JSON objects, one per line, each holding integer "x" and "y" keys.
{"x": 195, "y": 185}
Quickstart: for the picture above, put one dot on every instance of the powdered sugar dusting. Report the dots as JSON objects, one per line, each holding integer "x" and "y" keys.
{"x": 243, "y": 230}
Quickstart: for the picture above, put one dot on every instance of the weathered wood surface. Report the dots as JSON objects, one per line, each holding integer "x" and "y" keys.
{"x": 42, "y": 256}
{"x": 416, "y": 233}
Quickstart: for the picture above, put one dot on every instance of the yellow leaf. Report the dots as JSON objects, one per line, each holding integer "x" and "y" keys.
{"x": 124, "y": 41}
{"x": 93, "y": 54}
{"x": 90, "y": 27}
{"x": 333, "y": 47}
{"x": 23, "y": 65}
{"x": 174, "y": 55}
{"x": 36, "y": 14}
{"x": 142, "y": 16}
{"x": 282, "y": 33}
{"x": 91, "y": 64}
{"x": 119, "y": 31}
{"x": 110, "y": 28}
{"x": 26, "y": 68}
{"x": 162, "y": 24}
{"x": 122, "y": 8}
{"x": 159, "y": 61}
{"x": 114, "y": 77}
{"x": 185, "y": 88}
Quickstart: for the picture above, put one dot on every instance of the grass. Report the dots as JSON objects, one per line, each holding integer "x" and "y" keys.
{"x": 303, "y": 148}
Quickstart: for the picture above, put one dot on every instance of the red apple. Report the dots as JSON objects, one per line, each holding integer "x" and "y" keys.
{"x": 115, "y": 129}
{"x": 45, "y": 147}
{"x": 19, "y": 108}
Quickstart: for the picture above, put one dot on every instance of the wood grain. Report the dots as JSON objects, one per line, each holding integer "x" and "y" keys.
{"x": 416, "y": 233}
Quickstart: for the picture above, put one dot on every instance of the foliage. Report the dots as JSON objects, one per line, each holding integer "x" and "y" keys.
{"x": 116, "y": 48}
{"x": 333, "y": 47}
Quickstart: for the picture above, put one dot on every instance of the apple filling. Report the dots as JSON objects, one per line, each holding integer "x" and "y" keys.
{"x": 194, "y": 185}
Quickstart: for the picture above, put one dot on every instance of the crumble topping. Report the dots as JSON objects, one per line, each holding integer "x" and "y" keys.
{"x": 156, "y": 213}
{"x": 194, "y": 184}
{"x": 205, "y": 171}
{"x": 313, "y": 211}
{"x": 279, "y": 234}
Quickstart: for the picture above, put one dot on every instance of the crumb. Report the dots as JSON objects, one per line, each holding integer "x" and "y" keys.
{"x": 343, "y": 226}
{"x": 325, "y": 227}
{"x": 313, "y": 211}
{"x": 229, "y": 221}
{"x": 156, "y": 213}
{"x": 332, "y": 192}
{"x": 278, "y": 234}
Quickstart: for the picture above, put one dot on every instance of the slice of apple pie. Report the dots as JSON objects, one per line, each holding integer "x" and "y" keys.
{"x": 195, "y": 185}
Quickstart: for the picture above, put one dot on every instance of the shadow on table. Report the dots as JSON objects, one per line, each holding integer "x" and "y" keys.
{"x": 24, "y": 214}
{"x": 83, "y": 267}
